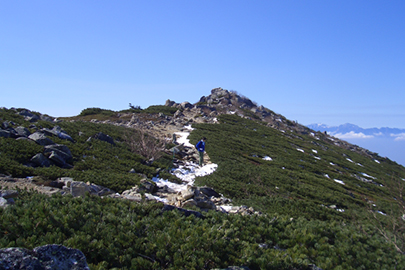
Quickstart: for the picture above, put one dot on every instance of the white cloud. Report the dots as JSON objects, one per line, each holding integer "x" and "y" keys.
{"x": 353, "y": 135}
{"x": 399, "y": 137}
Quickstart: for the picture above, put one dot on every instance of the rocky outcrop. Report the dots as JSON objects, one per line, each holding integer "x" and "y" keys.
{"x": 46, "y": 257}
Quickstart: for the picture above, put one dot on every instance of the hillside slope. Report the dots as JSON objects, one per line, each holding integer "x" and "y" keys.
{"x": 323, "y": 201}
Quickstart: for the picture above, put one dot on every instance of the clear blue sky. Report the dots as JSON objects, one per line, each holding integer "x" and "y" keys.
{"x": 328, "y": 62}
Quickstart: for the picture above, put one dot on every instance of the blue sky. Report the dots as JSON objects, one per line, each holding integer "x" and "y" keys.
{"x": 329, "y": 62}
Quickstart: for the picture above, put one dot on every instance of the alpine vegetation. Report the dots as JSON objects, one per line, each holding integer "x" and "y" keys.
{"x": 126, "y": 190}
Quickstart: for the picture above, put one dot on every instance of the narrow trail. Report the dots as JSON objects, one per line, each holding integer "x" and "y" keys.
{"x": 188, "y": 172}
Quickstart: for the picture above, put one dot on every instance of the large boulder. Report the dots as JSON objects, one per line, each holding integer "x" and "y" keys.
{"x": 40, "y": 138}
{"x": 79, "y": 189}
{"x": 4, "y": 133}
{"x": 57, "y": 131}
{"x": 209, "y": 192}
{"x": 59, "y": 154}
{"x": 43, "y": 258}
{"x": 147, "y": 186}
{"x": 40, "y": 160}
{"x": 22, "y": 131}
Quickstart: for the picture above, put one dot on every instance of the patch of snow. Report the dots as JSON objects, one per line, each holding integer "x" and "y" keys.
{"x": 226, "y": 208}
{"x": 331, "y": 163}
{"x": 327, "y": 176}
{"x": 298, "y": 149}
{"x": 359, "y": 164}
{"x": 369, "y": 176}
{"x": 267, "y": 158}
{"x": 339, "y": 181}
{"x": 313, "y": 150}
{"x": 348, "y": 159}
{"x": 188, "y": 172}
{"x": 188, "y": 127}
{"x": 318, "y": 158}
{"x": 340, "y": 210}
{"x": 377, "y": 161}
{"x": 182, "y": 138}
{"x": 382, "y": 213}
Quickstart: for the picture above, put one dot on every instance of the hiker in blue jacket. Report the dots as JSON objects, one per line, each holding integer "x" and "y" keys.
{"x": 201, "y": 148}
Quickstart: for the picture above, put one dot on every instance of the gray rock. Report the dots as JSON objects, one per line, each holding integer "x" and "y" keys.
{"x": 100, "y": 190}
{"x": 43, "y": 258}
{"x": 57, "y": 131}
{"x": 178, "y": 113}
{"x": 209, "y": 192}
{"x": 148, "y": 186}
{"x": 6, "y": 194}
{"x": 60, "y": 153}
{"x": 40, "y": 138}
{"x": 57, "y": 158}
{"x": 206, "y": 204}
{"x": 102, "y": 137}
{"x": 3, "y": 204}
{"x": 4, "y": 133}
{"x": 22, "y": 131}
{"x": 186, "y": 104}
{"x": 79, "y": 189}
{"x": 40, "y": 160}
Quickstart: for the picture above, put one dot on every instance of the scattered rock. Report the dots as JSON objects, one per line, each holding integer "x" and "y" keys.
{"x": 40, "y": 160}
{"x": 40, "y": 138}
{"x": 102, "y": 137}
{"x": 43, "y": 258}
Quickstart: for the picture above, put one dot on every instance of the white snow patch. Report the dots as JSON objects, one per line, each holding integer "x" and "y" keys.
{"x": 331, "y": 163}
{"x": 298, "y": 149}
{"x": 382, "y": 213}
{"x": 369, "y": 176}
{"x": 318, "y": 158}
{"x": 359, "y": 164}
{"x": 267, "y": 158}
{"x": 188, "y": 127}
{"x": 188, "y": 172}
{"x": 348, "y": 159}
{"x": 377, "y": 161}
{"x": 182, "y": 138}
{"x": 339, "y": 181}
{"x": 313, "y": 150}
{"x": 327, "y": 176}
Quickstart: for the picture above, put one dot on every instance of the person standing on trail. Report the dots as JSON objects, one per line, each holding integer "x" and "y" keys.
{"x": 201, "y": 148}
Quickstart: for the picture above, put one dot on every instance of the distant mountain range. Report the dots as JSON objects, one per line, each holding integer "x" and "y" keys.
{"x": 388, "y": 142}
{"x": 350, "y": 131}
